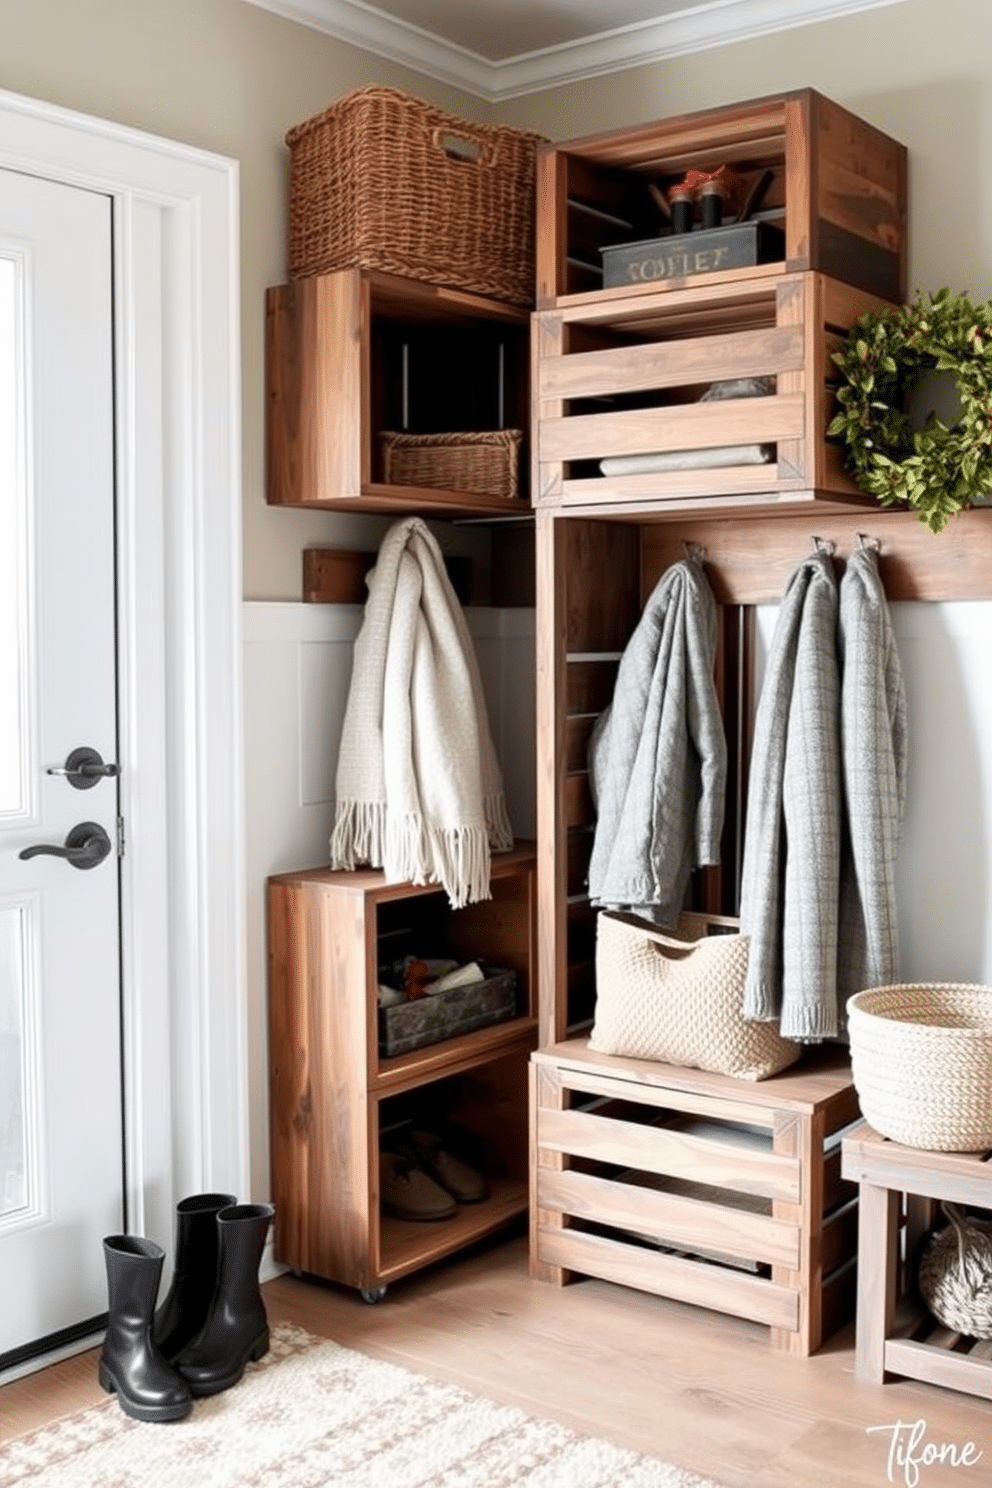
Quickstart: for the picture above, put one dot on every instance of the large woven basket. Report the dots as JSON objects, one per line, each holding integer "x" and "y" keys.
{"x": 486, "y": 464}
{"x": 921, "y": 1057}
{"x": 381, "y": 180}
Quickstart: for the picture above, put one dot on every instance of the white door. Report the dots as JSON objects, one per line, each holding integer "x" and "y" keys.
{"x": 61, "y": 1178}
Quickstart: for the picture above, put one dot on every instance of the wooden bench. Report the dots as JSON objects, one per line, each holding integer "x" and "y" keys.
{"x": 898, "y": 1188}
{"x": 720, "y": 1192}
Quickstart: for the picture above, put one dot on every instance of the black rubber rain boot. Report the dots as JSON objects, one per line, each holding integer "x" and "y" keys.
{"x": 184, "y": 1311}
{"x": 237, "y": 1328}
{"x": 147, "y": 1387}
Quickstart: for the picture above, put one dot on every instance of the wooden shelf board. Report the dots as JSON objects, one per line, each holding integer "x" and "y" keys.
{"x": 449, "y": 1057}
{"x": 405, "y": 1245}
{"x": 713, "y": 128}
{"x": 818, "y": 1079}
{"x": 715, "y": 493}
{"x": 678, "y": 508}
{"x": 372, "y": 881}
{"x": 939, "y": 1366}
{"x": 410, "y": 501}
{"x": 960, "y": 1177}
{"x": 594, "y": 304}
{"x": 751, "y": 564}
{"x": 415, "y": 299}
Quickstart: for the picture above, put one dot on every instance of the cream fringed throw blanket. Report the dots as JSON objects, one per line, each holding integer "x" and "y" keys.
{"x": 419, "y": 788}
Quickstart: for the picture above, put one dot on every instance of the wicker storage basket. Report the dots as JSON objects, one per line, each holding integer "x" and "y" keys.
{"x": 381, "y": 180}
{"x": 921, "y": 1057}
{"x": 486, "y": 464}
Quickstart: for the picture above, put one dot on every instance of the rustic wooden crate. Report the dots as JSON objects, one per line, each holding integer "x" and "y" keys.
{"x": 838, "y": 189}
{"x": 584, "y": 625}
{"x": 332, "y": 1092}
{"x": 899, "y": 1188}
{"x": 621, "y": 373}
{"x": 355, "y": 352}
{"x": 766, "y": 1153}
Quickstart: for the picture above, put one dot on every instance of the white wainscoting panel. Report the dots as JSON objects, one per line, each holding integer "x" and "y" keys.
{"x": 945, "y": 861}
{"x": 296, "y": 678}
{"x": 945, "y": 865}
{"x": 504, "y": 644}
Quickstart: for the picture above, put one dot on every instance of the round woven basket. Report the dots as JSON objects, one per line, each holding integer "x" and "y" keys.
{"x": 921, "y": 1057}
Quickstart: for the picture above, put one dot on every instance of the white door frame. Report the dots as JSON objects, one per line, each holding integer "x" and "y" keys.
{"x": 178, "y": 460}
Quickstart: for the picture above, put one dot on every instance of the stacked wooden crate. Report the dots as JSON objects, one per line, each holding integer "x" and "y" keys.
{"x": 692, "y": 1185}
{"x": 619, "y": 372}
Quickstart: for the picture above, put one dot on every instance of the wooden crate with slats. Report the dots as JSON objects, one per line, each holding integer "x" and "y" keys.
{"x": 713, "y": 397}
{"x": 720, "y": 1192}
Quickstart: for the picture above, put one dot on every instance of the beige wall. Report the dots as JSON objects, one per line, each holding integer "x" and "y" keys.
{"x": 921, "y": 70}
{"x": 231, "y": 78}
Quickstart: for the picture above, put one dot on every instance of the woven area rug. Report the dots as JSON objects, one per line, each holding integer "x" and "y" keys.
{"x": 314, "y": 1415}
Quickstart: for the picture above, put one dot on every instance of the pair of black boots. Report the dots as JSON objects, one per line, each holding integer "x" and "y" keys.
{"x": 212, "y": 1321}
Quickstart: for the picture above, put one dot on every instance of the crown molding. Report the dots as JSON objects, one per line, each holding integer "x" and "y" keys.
{"x": 363, "y": 26}
{"x": 692, "y": 29}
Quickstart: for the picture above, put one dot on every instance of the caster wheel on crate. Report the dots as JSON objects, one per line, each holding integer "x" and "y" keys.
{"x": 372, "y": 1295}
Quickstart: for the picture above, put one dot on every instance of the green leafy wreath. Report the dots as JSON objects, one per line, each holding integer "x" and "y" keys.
{"x": 940, "y": 469}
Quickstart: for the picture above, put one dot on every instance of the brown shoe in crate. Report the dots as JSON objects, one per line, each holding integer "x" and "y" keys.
{"x": 408, "y": 1192}
{"x": 455, "y": 1176}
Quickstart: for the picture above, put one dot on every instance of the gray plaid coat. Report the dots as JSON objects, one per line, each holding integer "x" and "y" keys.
{"x": 825, "y": 802}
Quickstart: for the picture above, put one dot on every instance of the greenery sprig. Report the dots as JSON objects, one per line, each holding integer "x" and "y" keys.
{"x": 940, "y": 469}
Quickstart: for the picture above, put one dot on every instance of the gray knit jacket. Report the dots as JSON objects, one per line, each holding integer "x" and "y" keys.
{"x": 658, "y": 755}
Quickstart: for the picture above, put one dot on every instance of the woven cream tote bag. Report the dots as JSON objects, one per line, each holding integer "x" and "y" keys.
{"x": 679, "y": 1001}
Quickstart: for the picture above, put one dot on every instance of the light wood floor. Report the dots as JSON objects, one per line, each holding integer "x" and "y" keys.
{"x": 683, "y": 1384}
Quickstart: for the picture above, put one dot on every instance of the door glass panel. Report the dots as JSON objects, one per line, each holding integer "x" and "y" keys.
{"x": 13, "y": 1062}
{"x": 13, "y": 536}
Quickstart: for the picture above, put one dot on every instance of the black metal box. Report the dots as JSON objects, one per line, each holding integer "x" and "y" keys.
{"x": 682, "y": 256}
{"x": 444, "y": 1015}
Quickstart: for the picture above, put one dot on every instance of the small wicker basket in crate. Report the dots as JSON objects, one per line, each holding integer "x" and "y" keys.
{"x": 921, "y": 1057}
{"x": 381, "y": 180}
{"x": 486, "y": 464}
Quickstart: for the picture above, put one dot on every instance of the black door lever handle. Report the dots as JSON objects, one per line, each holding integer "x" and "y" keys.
{"x": 84, "y": 767}
{"x": 85, "y": 846}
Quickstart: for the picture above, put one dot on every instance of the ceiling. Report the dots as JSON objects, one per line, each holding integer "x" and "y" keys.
{"x": 503, "y": 48}
{"x": 512, "y": 28}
